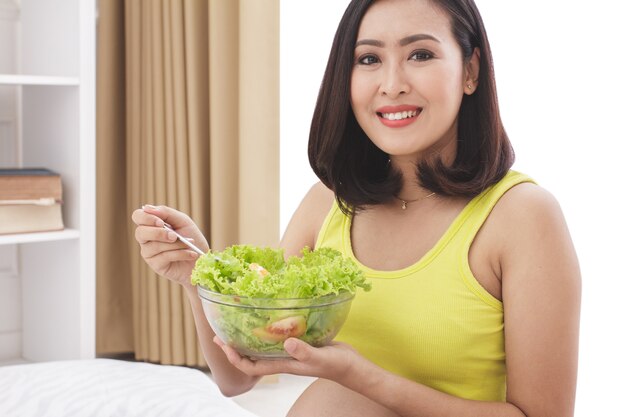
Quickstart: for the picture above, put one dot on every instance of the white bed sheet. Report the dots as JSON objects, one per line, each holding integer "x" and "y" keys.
{"x": 110, "y": 388}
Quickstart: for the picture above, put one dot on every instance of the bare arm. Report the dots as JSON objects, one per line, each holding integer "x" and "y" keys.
{"x": 174, "y": 261}
{"x": 541, "y": 292}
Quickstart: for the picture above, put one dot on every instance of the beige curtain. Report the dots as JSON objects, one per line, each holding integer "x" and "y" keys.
{"x": 187, "y": 117}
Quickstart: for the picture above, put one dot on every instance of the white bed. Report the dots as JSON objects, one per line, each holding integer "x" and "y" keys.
{"x": 110, "y": 388}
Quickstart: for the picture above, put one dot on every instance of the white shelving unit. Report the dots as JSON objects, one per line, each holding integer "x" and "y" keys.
{"x": 53, "y": 76}
{"x": 67, "y": 234}
{"x": 20, "y": 80}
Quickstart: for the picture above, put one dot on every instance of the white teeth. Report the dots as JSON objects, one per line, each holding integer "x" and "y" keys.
{"x": 399, "y": 115}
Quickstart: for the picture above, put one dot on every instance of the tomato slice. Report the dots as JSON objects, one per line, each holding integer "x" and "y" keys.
{"x": 282, "y": 329}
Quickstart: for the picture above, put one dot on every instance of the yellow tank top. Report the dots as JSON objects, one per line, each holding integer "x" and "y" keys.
{"x": 431, "y": 322}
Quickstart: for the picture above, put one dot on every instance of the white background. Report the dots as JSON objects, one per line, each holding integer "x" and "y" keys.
{"x": 561, "y": 75}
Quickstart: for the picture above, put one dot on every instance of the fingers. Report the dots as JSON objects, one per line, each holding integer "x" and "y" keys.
{"x": 167, "y": 214}
{"x": 143, "y": 218}
{"x": 145, "y": 234}
{"x": 243, "y": 364}
{"x": 151, "y": 249}
{"x": 162, "y": 262}
{"x": 231, "y": 354}
{"x": 298, "y": 349}
{"x": 263, "y": 367}
{"x": 160, "y": 248}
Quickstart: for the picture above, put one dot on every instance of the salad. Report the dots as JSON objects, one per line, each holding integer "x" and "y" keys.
{"x": 254, "y": 299}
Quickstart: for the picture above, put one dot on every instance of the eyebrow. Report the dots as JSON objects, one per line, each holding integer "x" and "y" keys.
{"x": 403, "y": 42}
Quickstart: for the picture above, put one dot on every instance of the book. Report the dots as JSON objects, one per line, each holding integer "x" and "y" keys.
{"x": 30, "y": 183}
{"x": 30, "y": 218}
{"x": 30, "y": 201}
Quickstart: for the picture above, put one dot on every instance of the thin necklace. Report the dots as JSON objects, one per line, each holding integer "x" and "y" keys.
{"x": 406, "y": 202}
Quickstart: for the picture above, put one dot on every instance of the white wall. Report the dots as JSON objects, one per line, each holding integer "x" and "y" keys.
{"x": 560, "y": 69}
{"x": 306, "y": 35}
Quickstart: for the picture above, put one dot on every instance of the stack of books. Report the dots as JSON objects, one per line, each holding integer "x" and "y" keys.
{"x": 30, "y": 200}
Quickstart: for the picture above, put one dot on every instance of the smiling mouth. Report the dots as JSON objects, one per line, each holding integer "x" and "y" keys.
{"x": 401, "y": 115}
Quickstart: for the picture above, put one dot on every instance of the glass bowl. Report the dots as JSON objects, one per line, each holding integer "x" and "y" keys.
{"x": 257, "y": 327}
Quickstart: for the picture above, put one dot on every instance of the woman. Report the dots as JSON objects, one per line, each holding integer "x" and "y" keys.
{"x": 416, "y": 187}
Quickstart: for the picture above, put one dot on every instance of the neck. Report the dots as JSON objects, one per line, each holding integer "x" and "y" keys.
{"x": 411, "y": 190}
{"x": 407, "y": 165}
{"x": 445, "y": 148}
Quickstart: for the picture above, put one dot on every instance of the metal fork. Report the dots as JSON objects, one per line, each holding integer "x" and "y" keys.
{"x": 183, "y": 239}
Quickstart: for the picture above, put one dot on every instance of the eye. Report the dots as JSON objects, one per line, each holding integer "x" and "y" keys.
{"x": 421, "y": 56}
{"x": 367, "y": 60}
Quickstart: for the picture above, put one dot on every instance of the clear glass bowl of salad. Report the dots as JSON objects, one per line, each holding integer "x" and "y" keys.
{"x": 254, "y": 299}
{"x": 257, "y": 327}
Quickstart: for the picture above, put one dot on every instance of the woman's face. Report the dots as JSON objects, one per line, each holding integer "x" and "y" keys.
{"x": 409, "y": 78}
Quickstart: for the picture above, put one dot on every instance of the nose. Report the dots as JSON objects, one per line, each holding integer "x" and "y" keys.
{"x": 394, "y": 81}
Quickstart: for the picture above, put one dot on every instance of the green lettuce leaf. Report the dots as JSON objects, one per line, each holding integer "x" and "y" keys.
{"x": 315, "y": 274}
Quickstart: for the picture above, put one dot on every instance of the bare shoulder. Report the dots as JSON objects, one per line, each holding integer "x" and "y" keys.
{"x": 528, "y": 196}
{"x": 535, "y": 249}
{"x": 307, "y": 220}
{"x": 316, "y": 204}
{"x": 320, "y": 196}
{"x": 525, "y": 211}
{"x": 526, "y": 226}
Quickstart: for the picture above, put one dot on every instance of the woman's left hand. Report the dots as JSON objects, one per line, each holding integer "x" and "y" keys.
{"x": 332, "y": 362}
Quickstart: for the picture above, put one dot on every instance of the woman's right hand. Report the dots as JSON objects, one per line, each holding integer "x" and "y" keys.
{"x": 169, "y": 257}
{"x": 161, "y": 250}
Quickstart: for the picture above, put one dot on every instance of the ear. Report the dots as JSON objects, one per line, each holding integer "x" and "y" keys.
{"x": 472, "y": 69}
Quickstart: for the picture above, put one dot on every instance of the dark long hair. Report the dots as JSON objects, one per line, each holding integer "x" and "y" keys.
{"x": 347, "y": 162}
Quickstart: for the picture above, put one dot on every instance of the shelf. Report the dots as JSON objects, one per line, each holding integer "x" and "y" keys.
{"x": 66, "y": 234}
{"x": 13, "y": 79}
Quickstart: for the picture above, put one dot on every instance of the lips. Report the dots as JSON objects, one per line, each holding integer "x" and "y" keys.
{"x": 398, "y": 116}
